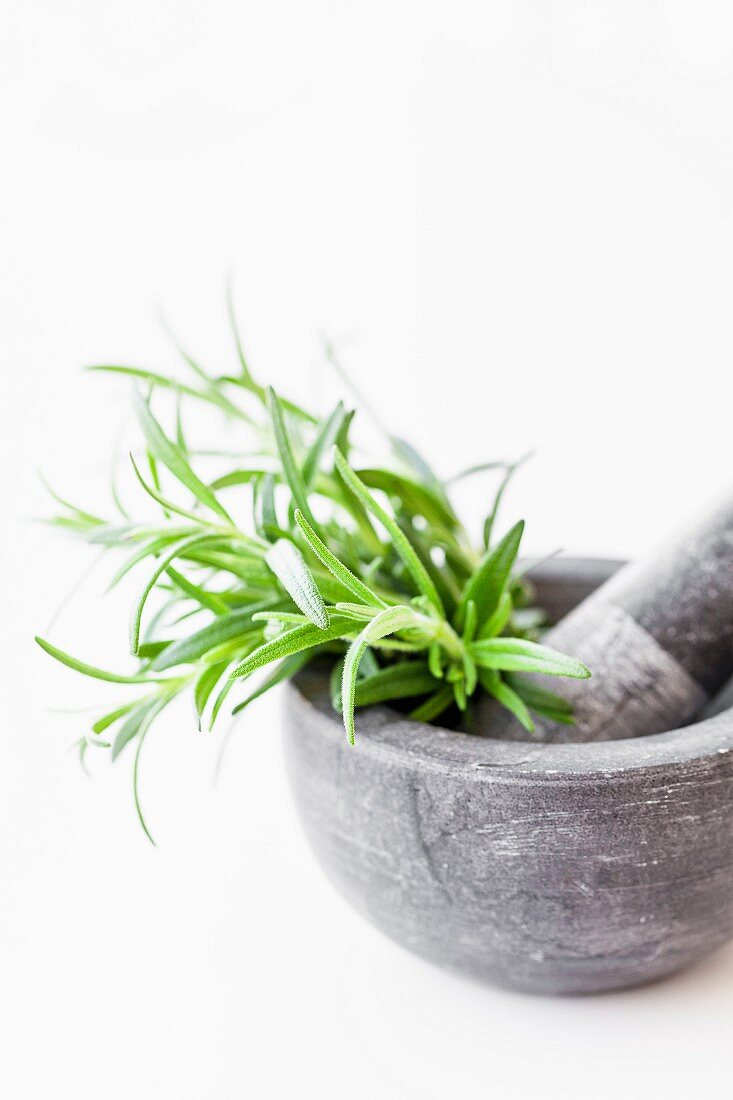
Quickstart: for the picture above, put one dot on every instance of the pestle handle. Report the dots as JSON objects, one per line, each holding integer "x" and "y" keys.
{"x": 658, "y": 638}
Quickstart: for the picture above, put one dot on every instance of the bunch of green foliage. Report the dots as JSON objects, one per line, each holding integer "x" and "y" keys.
{"x": 370, "y": 566}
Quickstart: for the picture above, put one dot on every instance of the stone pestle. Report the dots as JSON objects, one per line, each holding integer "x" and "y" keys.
{"x": 658, "y": 638}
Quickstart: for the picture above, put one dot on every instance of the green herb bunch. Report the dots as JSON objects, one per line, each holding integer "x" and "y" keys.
{"x": 301, "y": 552}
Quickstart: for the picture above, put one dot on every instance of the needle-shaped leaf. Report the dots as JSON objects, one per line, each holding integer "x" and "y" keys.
{"x": 336, "y": 567}
{"x": 368, "y": 666}
{"x": 246, "y": 375}
{"x": 284, "y": 671}
{"x": 417, "y": 499}
{"x": 79, "y": 513}
{"x": 245, "y": 378}
{"x": 401, "y": 681}
{"x": 492, "y": 682}
{"x": 520, "y": 655}
{"x": 471, "y": 470}
{"x": 445, "y": 583}
{"x": 357, "y": 610}
{"x": 486, "y": 585}
{"x": 212, "y": 396}
{"x": 327, "y": 436}
{"x": 266, "y": 520}
{"x": 292, "y": 473}
{"x": 389, "y": 621}
{"x": 400, "y": 542}
{"x": 542, "y": 701}
{"x": 205, "y": 684}
{"x": 133, "y": 724}
{"x": 343, "y": 439}
{"x": 288, "y": 565}
{"x": 161, "y": 567}
{"x": 210, "y": 600}
{"x": 170, "y": 454}
{"x": 470, "y": 673}
{"x": 142, "y": 733}
{"x": 238, "y": 477}
{"x": 499, "y": 617}
{"x": 225, "y": 628}
{"x": 91, "y": 670}
{"x": 252, "y": 571}
{"x": 180, "y": 433}
{"x": 113, "y": 491}
{"x": 226, "y": 687}
{"x": 511, "y": 469}
{"x": 459, "y": 693}
{"x": 148, "y": 549}
{"x": 413, "y": 459}
{"x": 155, "y": 494}
{"x": 294, "y": 641}
{"x": 469, "y": 628}
{"x": 289, "y": 618}
{"x": 148, "y": 650}
{"x": 433, "y": 707}
{"x": 434, "y": 661}
{"x": 114, "y": 716}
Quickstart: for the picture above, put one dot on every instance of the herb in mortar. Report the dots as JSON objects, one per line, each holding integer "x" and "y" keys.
{"x": 369, "y": 565}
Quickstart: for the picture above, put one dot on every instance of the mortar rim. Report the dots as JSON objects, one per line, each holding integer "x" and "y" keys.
{"x": 384, "y": 732}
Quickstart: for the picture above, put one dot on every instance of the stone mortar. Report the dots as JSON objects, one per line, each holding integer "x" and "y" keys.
{"x": 567, "y": 868}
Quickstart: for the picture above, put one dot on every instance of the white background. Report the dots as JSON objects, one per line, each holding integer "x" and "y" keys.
{"x": 516, "y": 221}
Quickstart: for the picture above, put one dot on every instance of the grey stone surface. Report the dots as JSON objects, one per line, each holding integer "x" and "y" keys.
{"x": 561, "y": 868}
{"x": 683, "y": 597}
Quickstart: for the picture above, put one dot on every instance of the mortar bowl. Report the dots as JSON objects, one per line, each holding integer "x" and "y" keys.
{"x": 568, "y": 868}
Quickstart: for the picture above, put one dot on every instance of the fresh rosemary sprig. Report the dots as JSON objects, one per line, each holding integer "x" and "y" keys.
{"x": 370, "y": 566}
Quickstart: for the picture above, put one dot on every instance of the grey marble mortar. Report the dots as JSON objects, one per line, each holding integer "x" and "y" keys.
{"x": 564, "y": 868}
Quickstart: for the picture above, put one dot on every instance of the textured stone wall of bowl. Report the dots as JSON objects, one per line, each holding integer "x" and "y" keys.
{"x": 549, "y": 868}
